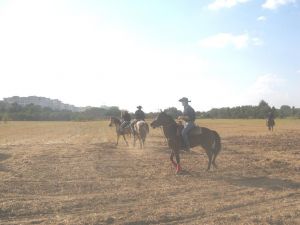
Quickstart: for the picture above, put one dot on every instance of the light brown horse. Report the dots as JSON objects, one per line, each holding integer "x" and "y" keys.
{"x": 117, "y": 123}
{"x": 141, "y": 129}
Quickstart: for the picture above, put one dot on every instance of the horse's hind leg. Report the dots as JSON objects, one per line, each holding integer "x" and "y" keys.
{"x": 143, "y": 139}
{"x": 141, "y": 142}
{"x": 134, "y": 140}
{"x": 210, "y": 155}
{"x": 139, "y": 138}
{"x": 213, "y": 160}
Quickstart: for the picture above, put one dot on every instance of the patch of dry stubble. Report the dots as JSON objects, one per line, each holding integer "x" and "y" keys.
{"x": 72, "y": 173}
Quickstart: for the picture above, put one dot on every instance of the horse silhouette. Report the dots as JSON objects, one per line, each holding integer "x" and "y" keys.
{"x": 117, "y": 123}
{"x": 270, "y": 123}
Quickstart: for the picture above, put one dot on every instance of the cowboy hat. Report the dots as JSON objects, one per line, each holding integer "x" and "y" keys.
{"x": 139, "y": 107}
{"x": 184, "y": 99}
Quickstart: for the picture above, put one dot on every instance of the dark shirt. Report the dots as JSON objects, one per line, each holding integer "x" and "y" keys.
{"x": 271, "y": 116}
{"x": 190, "y": 112}
{"x": 139, "y": 115}
{"x": 126, "y": 116}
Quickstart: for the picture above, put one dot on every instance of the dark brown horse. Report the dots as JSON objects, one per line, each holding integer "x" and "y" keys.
{"x": 117, "y": 123}
{"x": 198, "y": 136}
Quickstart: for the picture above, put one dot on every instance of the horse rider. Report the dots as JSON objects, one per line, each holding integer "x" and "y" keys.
{"x": 271, "y": 116}
{"x": 138, "y": 116}
{"x": 189, "y": 116}
{"x": 126, "y": 118}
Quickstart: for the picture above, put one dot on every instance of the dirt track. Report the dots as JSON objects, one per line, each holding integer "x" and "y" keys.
{"x": 72, "y": 173}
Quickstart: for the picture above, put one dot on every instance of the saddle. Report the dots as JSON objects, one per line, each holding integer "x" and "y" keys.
{"x": 128, "y": 126}
{"x": 193, "y": 132}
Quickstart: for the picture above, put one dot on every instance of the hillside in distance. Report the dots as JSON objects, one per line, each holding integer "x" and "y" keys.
{"x": 44, "y": 102}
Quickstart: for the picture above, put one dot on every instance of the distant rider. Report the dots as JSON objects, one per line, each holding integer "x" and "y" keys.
{"x": 139, "y": 115}
{"x": 271, "y": 119}
{"x": 125, "y": 120}
{"x": 271, "y": 116}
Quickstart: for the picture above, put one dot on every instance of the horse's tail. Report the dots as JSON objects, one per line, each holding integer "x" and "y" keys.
{"x": 145, "y": 129}
{"x": 217, "y": 143}
{"x": 142, "y": 128}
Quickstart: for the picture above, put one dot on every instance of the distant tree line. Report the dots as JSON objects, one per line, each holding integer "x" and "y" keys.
{"x": 37, "y": 113}
{"x": 251, "y": 112}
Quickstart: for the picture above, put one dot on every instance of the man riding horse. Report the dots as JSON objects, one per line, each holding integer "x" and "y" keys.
{"x": 189, "y": 117}
{"x": 139, "y": 115}
{"x": 271, "y": 120}
{"x": 126, "y": 118}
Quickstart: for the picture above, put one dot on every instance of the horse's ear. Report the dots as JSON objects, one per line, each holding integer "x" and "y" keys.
{"x": 161, "y": 110}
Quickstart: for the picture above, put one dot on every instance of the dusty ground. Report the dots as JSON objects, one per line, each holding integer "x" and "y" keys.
{"x": 72, "y": 173}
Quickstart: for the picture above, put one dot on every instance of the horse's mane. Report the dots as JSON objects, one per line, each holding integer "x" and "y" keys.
{"x": 170, "y": 118}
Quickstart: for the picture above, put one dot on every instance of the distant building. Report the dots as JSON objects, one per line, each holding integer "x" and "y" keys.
{"x": 54, "y": 104}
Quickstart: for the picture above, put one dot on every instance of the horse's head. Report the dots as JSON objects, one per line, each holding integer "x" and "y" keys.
{"x": 161, "y": 120}
{"x": 113, "y": 121}
{"x": 110, "y": 122}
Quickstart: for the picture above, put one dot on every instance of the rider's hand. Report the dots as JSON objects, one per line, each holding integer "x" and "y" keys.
{"x": 185, "y": 118}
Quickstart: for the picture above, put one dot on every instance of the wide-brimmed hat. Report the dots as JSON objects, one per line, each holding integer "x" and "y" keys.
{"x": 184, "y": 99}
{"x": 139, "y": 107}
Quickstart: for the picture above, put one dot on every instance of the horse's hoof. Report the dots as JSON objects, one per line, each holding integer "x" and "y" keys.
{"x": 178, "y": 169}
{"x": 178, "y": 172}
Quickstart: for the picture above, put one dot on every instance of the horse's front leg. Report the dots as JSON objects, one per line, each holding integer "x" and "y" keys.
{"x": 118, "y": 136}
{"x": 178, "y": 167}
{"x": 125, "y": 139}
{"x": 172, "y": 159}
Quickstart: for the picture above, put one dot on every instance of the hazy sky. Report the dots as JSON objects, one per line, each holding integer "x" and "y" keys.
{"x": 151, "y": 53}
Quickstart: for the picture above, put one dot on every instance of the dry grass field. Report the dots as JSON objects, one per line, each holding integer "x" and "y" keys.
{"x": 72, "y": 173}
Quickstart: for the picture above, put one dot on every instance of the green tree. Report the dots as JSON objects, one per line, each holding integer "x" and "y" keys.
{"x": 285, "y": 111}
{"x": 113, "y": 111}
{"x": 263, "y": 109}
